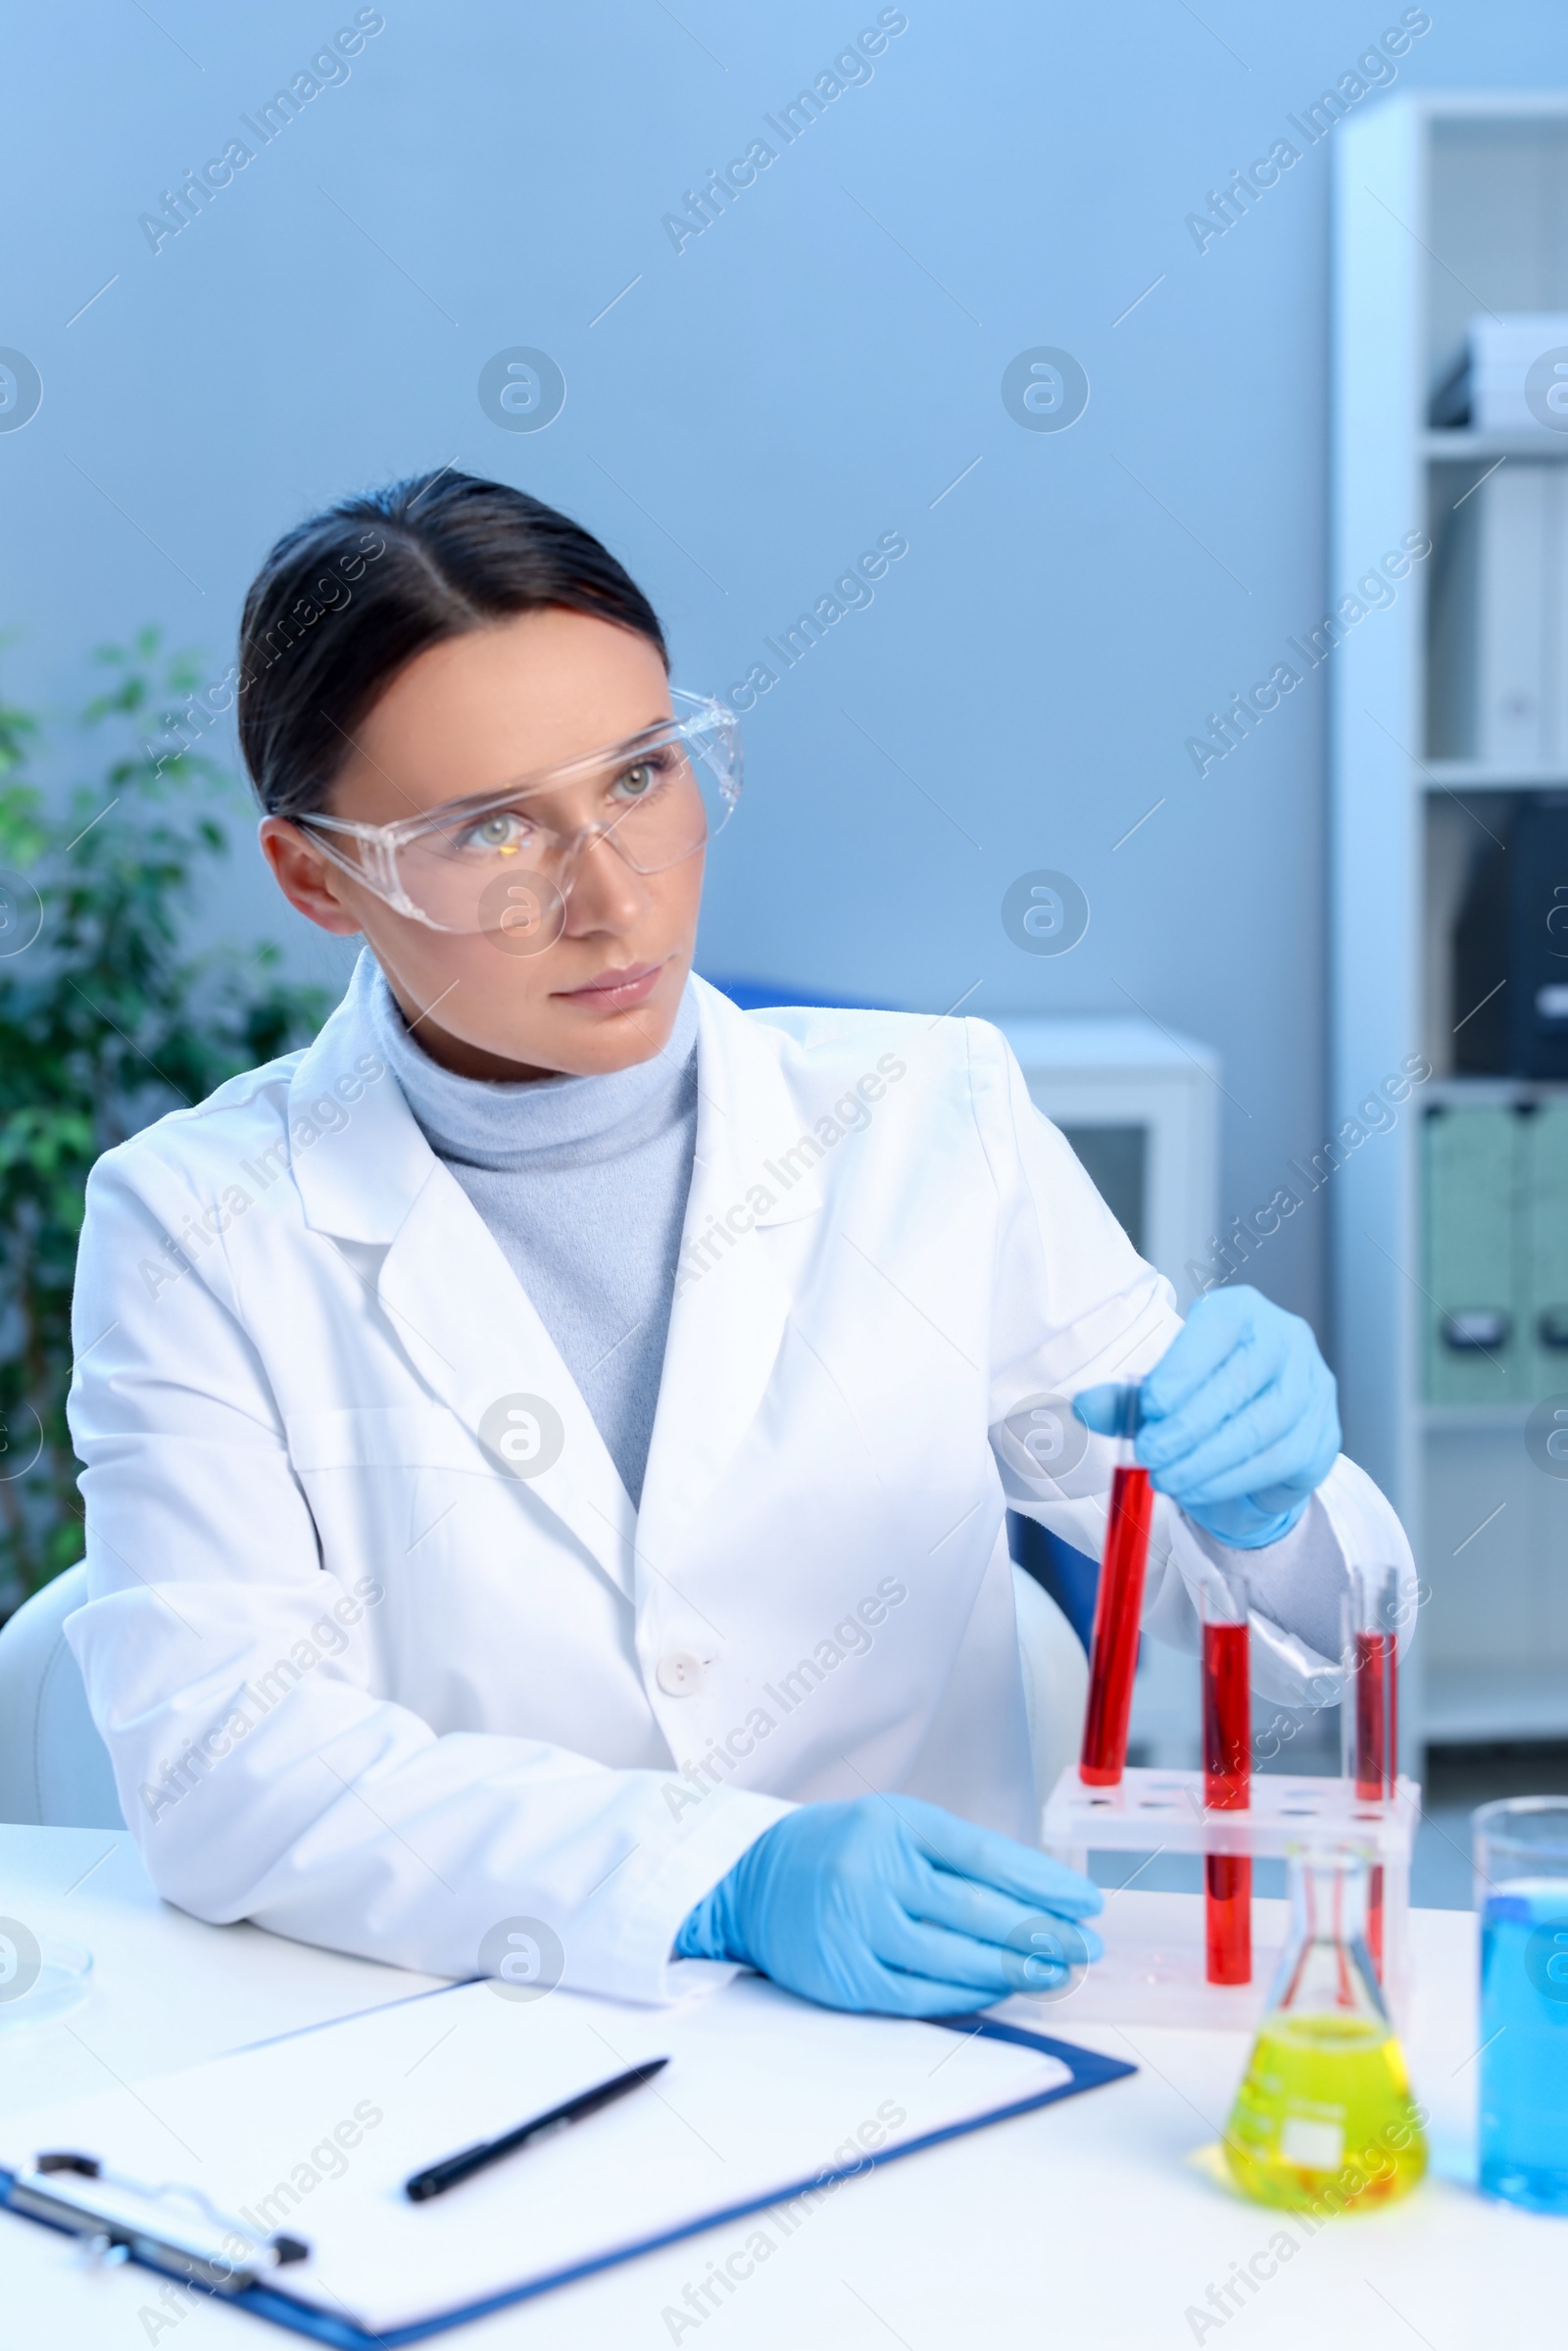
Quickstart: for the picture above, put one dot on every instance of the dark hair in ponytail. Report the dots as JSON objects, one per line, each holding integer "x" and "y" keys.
{"x": 344, "y": 601}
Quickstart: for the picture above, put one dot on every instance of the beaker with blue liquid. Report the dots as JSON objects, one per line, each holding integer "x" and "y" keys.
{"x": 1521, "y": 1861}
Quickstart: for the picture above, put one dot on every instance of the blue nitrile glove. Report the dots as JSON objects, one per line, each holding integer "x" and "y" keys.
{"x": 892, "y": 1904}
{"x": 1239, "y": 1422}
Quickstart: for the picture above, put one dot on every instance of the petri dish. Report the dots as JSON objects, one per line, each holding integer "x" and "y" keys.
{"x": 42, "y": 1978}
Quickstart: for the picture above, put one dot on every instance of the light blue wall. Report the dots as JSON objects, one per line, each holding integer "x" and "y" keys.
{"x": 814, "y": 369}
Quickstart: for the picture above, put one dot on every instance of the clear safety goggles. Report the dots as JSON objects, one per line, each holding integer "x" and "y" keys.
{"x": 505, "y": 862}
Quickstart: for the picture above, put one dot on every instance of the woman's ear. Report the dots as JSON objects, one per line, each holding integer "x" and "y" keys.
{"x": 307, "y": 878}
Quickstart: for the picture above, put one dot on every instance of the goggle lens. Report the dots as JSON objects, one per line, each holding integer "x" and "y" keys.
{"x": 505, "y": 864}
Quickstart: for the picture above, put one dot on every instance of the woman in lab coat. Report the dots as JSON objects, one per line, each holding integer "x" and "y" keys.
{"x": 547, "y": 1443}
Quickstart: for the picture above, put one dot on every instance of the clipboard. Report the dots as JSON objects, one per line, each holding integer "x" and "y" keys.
{"x": 749, "y": 2030}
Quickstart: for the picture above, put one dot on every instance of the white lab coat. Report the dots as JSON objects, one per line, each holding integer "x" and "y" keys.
{"x": 362, "y": 1684}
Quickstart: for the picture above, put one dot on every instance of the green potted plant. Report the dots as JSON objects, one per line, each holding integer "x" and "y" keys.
{"x": 106, "y": 1022}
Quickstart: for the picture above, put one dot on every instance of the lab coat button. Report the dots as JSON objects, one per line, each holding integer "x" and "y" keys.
{"x": 680, "y": 1675}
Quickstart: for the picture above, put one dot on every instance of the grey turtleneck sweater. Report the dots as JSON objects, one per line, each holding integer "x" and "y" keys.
{"x": 583, "y": 1183}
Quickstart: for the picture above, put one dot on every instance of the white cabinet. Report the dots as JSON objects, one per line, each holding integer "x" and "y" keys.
{"x": 1141, "y": 1107}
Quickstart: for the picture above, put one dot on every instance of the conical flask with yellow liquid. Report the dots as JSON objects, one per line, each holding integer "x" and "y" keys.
{"x": 1324, "y": 2120}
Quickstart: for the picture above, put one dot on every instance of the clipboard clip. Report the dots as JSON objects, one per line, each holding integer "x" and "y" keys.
{"x": 169, "y": 2228}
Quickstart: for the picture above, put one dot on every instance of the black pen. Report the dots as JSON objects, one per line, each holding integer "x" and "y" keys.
{"x": 439, "y": 2177}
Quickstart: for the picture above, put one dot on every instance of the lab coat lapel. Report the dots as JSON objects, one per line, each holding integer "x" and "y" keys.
{"x": 466, "y": 1323}
{"x": 733, "y": 1289}
{"x": 474, "y": 1334}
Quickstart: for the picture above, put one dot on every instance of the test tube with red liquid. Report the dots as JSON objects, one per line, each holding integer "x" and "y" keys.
{"x": 1227, "y": 1780}
{"x": 1369, "y": 1713}
{"x": 1119, "y": 1612}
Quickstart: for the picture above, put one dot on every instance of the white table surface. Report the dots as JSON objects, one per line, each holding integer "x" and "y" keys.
{"x": 1087, "y": 2223}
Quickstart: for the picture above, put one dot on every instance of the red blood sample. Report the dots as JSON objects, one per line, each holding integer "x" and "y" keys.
{"x": 1227, "y": 1787}
{"x": 1119, "y": 1612}
{"x": 1377, "y": 1749}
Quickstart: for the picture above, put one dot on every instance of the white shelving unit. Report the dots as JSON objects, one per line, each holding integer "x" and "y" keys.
{"x": 1449, "y": 204}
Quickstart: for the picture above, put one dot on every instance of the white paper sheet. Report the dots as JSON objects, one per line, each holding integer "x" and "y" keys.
{"x": 316, "y": 2135}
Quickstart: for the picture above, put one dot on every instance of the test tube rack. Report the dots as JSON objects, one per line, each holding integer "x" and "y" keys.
{"x": 1154, "y": 1969}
